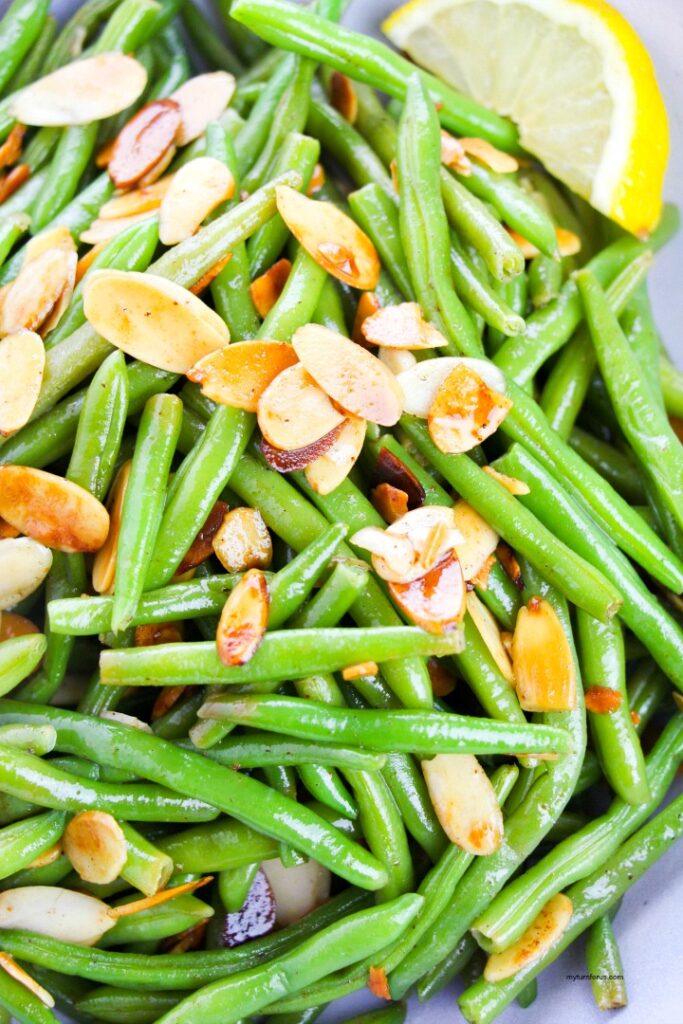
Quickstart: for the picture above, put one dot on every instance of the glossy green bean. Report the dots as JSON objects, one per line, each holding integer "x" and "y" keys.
{"x": 515, "y": 206}
{"x": 340, "y": 139}
{"x": 34, "y": 62}
{"x": 450, "y": 967}
{"x": 24, "y": 841}
{"x": 618, "y": 468}
{"x": 100, "y": 427}
{"x": 204, "y": 36}
{"x": 19, "y": 657}
{"x": 157, "y": 922}
{"x": 22, "y": 1004}
{"x": 19, "y": 29}
{"x": 334, "y": 598}
{"x": 146, "y": 868}
{"x": 377, "y": 214}
{"x": 125, "y": 1006}
{"x": 604, "y": 966}
{"x": 545, "y": 277}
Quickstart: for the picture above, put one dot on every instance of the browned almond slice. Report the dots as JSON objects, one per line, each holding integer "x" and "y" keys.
{"x": 54, "y": 238}
{"x": 37, "y": 288}
{"x": 510, "y": 483}
{"x": 96, "y": 846}
{"x": 568, "y": 243}
{"x": 9, "y": 183}
{"x": 103, "y": 155}
{"x": 317, "y": 180}
{"x": 22, "y": 361}
{"x": 239, "y": 374}
{"x": 205, "y": 280}
{"x": 542, "y": 660}
{"x": 102, "y": 231}
{"x": 397, "y": 360}
{"x": 510, "y": 564}
{"x": 243, "y": 541}
{"x": 168, "y": 697}
{"x": 465, "y": 802}
{"x": 378, "y": 983}
{"x": 331, "y": 238}
{"x": 201, "y": 99}
{"x": 195, "y": 190}
{"x": 52, "y": 510}
{"x": 485, "y": 153}
{"x": 267, "y": 289}
{"x": 294, "y": 412}
{"x": 399, "y": 552}
{"x": 343, "y": 96}
{"x": 389, "y": 469}
{"x": 202, "y": 546}
{"x": 391, "y": 502}
{"x": 479, "y": 540}
{"x": 331, "y": 468}
{"x": 87, "y": 260}
{"x": 364, "y": 668}
{"x": 298, "y": 458}
{"x": 541, "y": 934}
{"x": 244, "y": 619}
{"x": 354, "y": 378}
{"x": 10, "y": 150}
{"x": 155, "y": 172}
{"x": 298, "y": 890}
{"x": 453, "y": 154}
{"x": 143, "y": 141}
{"x": 393, "y": 557}
{"x": 435, "y": 601}
{"x": 152, "y": 318}
{"x": 84, "y": 91}
{"x": 421, "y": 382}
{"x": 601, "y": 700}
{"x": 465, "y": 411}
{"x": 7, "y": 531}
{"x": 481, "y": 578}
{"x": 104, "y": 565}
{"x": 140, "y": 200}
{"x": 11, "y": 967}
{"x": 367, "y": 305}
{"x": 13, "y": 624}
{"x": 487, "y": 627}
{"x": 49, "y": 856}
{"x": 401, "y": 326}
{"x": 154, "y": 634}
{"x": 62, "y": 304}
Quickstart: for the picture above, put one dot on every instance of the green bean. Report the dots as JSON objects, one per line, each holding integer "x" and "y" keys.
{"x": 545, "y": 277}
{"x": 395, "y": 1014}
{"x": 479, "y": 296}
{"x": 40, "y": 148}
{"x": 38, "y": 739}
{"x": 374, "y": 123}
{"x": 19, "y": 656}
{"x": 671, "y": 381}
{"x": 604, "y": 966}
{"x": 11, "y": 231}
{"x": 234, "y": 885}
{"x": 377, "y": 214}
{"x": 100, "y": 427}
{"x": 450, "y": 967}
{"x": 299, "y": 299}
{"x": 619, "y": 469}
{"x": 334, "y": 598}
{"x": 330, "y": 309}
{"x": 76, "y": 31}
{"x": 252, "y": 137}
{"x": 340, "y": 139}
{"x": 24, "y": 841}
{"x": 124, "y": 1006}
{"x": 640, "y": 330}
{"x": 483, "y": 676}
{"x": 21, "y": 1003}
{"x": 223, "y": 845}
{"x": 157, "y": 922}
{"x": 514, "y": 205}
{"x": 34, "y": 62}
{"x": 19, "y": 29}
{"x": 146, "y": 868}
{"x": 203, "y": 35}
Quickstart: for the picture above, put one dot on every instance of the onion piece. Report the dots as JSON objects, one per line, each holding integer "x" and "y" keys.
{"x": 297, "y": 890}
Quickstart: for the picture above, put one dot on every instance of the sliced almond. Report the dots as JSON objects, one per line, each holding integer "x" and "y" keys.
{"x": 391, "y": 470}
{"x": 331, "y": 238}
{"x": 330, "y": 469}
{"x": 104, "y": 565}
{"x": 542, "y": 660}
{"x": 168, "y": 698}
{"x": 205, "y": 280}
{"x": 393, "y": 558}
{"x": 63, "y": 914}
{"x": 96, "y": 846}
{"x": 86, "y": 90}
{"x": 22, "y": 361}
{"x": 35, "y": 291}
{"x": 87, "y": 259}
{"x": 202, "y": 99}
{"x": 239, "y": 374}
{"x": 343, "y": 96}
{"x": 140, "y": 200}
{"x": 155, "y": 172}
{"x": 601, "y": 700}
{"x": 539, "y": 937}
{"x": 485, "y": 153}
{"x": 368, "y": 304}
{"x": 62, "y": 304}
{"x": 24, "y": 564}
{"x": 52, "y": 510}
{"x": 453, "y": 154}
{"x": 510, "y": 564}
{"x": 401, "y": 327}
{"x": 421, "y": 383}
{"x": 11, "y": 967}
{"x": 152, "y": 319}
{"x": 143, "y": 142}
{"x": 510, "y": 483}
{"x": 479, "y": 540}
{"x": 9, "y": 183}
{"x": 12, "y": 624}
{"x": 364, "y": 668}
{"x": 244, "y": 619}
{"x": 465, "y": 411}
{"x": 397, "y": 360}
{"x": 49, "y": 856}
{"x": 54, "y": 238}
{"x": 378, "y": 983}
{"x": 10, "y": 150}
{"x": 202, "y": 546}
{"x": 6, "y": 530}
{"x": 294, "y": 412}
{"x": 391, "y": 502}
{"x": 435, "y": 601}
{"x": 267, "y": 289}
{"x": 299, "y": 458}
{"x": 195, "y": 190}
{"x": 102, "y": 231}
{"x": 297, "y": 890}
{"x": 243, "y": 541}
{"x": 398, "y": 553}
{"x": 317, "y": 180}
{"x": 568, "y": 243}
{"x": 152, "y": 634}
{"x": 488, "y": 630}
{"x": 465, "y": 802}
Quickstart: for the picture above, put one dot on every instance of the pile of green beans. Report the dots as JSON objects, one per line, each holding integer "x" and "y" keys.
{"x": 310, "y": 757}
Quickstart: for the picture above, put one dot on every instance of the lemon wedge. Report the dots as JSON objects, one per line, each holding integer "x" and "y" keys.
{"x": 573, "y": 75}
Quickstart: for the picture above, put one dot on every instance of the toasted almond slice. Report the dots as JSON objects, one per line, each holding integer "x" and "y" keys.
{"x": 35, "y": 291}
{"x": 49, "y": 856}
{"x": 421, "y": 383}
{"x": 103, "y": 155}
{"x": 294, "y": 412}
{"x": 298, "y": 890}
{"x": 443, "y": 682}
{"x": 205, "y": 280}
{"x": 331, "y": 238}
{"x": 510, "y": 564}
{"x": 52, "y": 510}
{"x": 393, "y": 557}
{"x": 62, "y": 304}
{"x": 152, "y": 319}
{"x": 9, "y": 183}
{"x": 202, "y": 546}
{"x": 391, "y": 502}
{"x": 568, "y": 243}
{"x": 421, "y": 526}
{"x": 11, "y": 967}
{"x": 96, "y": 846}
{"x": 102, "y": 231}
{"x": 202, "y": 99}
{"x": 364, "y": 668}
{"x": 84, "y": 91}
{"x": 63, "y": 914}
{"x": 24, "y": 564}
{"x": 168, "y": 697}
{"x": 244, "y": 619}
{"x": 330, "y": 469}
{"x": 368, "y": 304}
{"x": 343, "y": 96}
{"x": 601, "y": 700}
{"x": 10, "y": 150}
{"x": 389, "y": 469}
{"x": 140, "y": 200}
{"x": 22, "y": 361}
{"x": 542, "y": 660}
{"x": 299, "y": 458}
{"x": 481, "y": 578}
{"x": 267, "y": 289}
{"x": 54, "y": 238}
{"x": 155, "y": 172}
{"x": 354, "y": 378}
{"x": 435, "y": 601}
{"x": 401, "y": 327}
{"x": 465, "y": 802}
{"x": 487, "y": 627}
{"x": 453, "y": 154}
{"x": 104, "y": 565}
{"x": 12, "y": 624}
{"x": 510, "y": 483}
{"x": 397, "y": 360}
{"x": 378, "y": 983}
{"x": 465, "y": 411}
{"x": 539, "y": 937}
{"x": 123, "y": 719}
{"x": 87, "y": 260}
{"x": 317, "y": 180}
{"x": 6, "y": 530}
{"x": 195, "y": 190}
{"x": 143, "y": 142}
{"x": 239, "y": 374}
{"x": 151, "y": 634}
{"x": 398, "y": 551}
{"x": 485, "y": 153}
{"x": 243, "y": 541}
{"x": 479, "y": 540}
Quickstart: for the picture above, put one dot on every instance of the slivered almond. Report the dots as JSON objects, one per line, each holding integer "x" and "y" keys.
{"x": 485, "y": 153}
{"x": 568, "y": 243}
{"x": 202, "y": 546}
{"x": 465, "y": 411}
{"x": 102, "y": 231}
{"x": 243, "y": 541}
{"x": 9, "y": 183}
{"x": 104, "y": 565}
{"x": 378, "y": 983}
{"x": 331, "y": 468}
{"x": 201, "y": 99}
{"x": 294, "y": 412}
{"x": 11, "y": 967}
{"x": 421, "y": 383}
{"x": 22, "y": 361}
{"x": 391, "y": 502}
{"x": 12, "y": 624}
{"x": 239, "y": 374}
{"x": 453, "y": 154}
{"x": 435, "y": 601}
{"x": 152, "y": 319}
{"x": 244, "y": 619}
{"x": 6, "y": 530}
{"x": 298, "y": 890}
{"x": 33, "y": 294}
{"x": 317, "y": 180}
{"x": 539, "y": 937}
{"x": 368, "y": 304}
{"x": 156, "y": 170}
{"x": 168, "y": 698}
{"x": 601, "y": 700}
{"x": 299, "y": 458}
{"x": 398, "y": 553}
{"x": 140, "y": 200}
{"x": 510, "y": 483}
{"x": 143, "y": 142}
{"x": 542, "y": 660}
{"x": 81, "y": 92}
{"x": 96, "y": 846}
{"x": 331, "y": 238}
{"x": 391, "y": 470}
{"x": 62, "y": 304}
{"x": 24, "y": 564}
{"x": 401, "y": 327}
{"x": 365, "y": 668}
{"x": 481, "y": 578}
{"x": 54, "y": 238}
{"x": 393, "y": 557}
{"x": 343, "y": 96}
{"x": 354, "y": 378}
{"x": 52, "y": 510}
{"x": 510, "y": 564}
{"x": 87, "y": 260}
{"x": 267, "y": 289}
{"x": 488, "y": 630}
{"x": 49, "y": 856}
{"x": 10, "y": 150}
{"x": 479, "y": 540}
{"x": 205, "y": 280}
{"x": 103, "y": 155}
{"x": 195, "y": 190}
{"x": 465, "y": 802}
